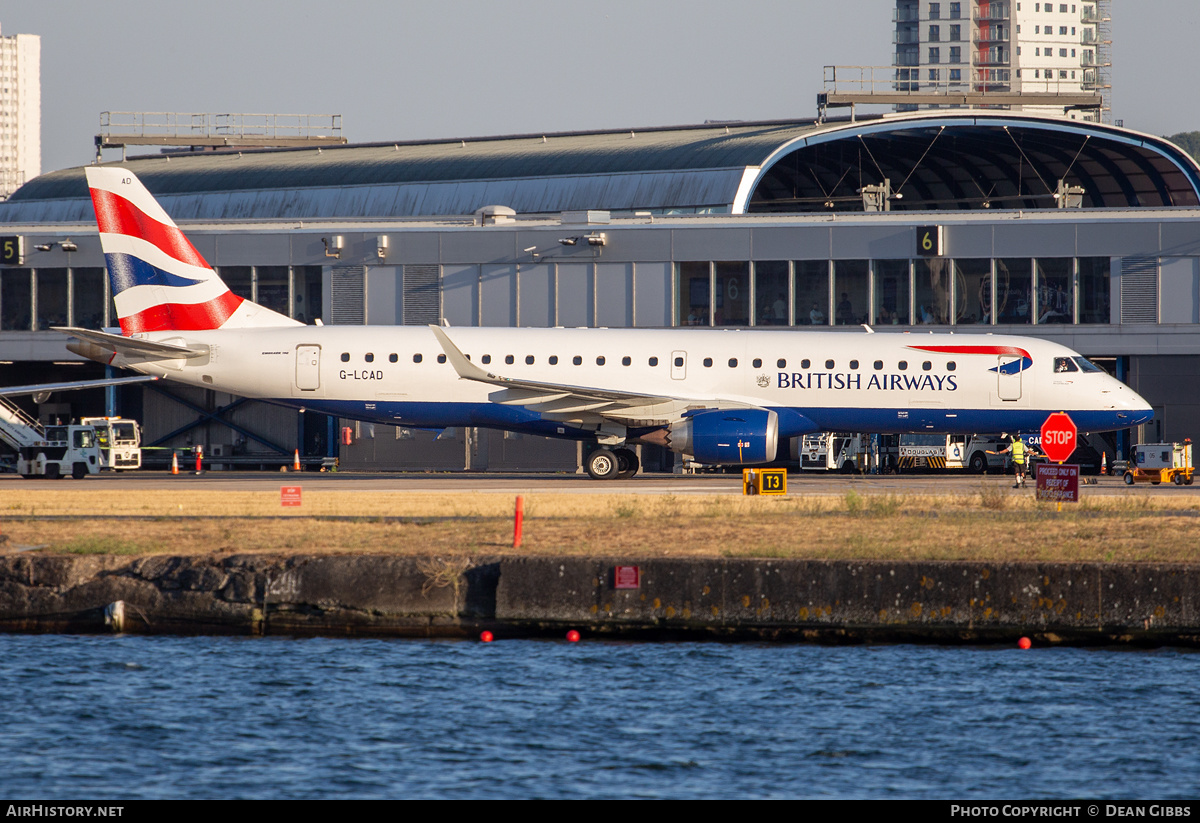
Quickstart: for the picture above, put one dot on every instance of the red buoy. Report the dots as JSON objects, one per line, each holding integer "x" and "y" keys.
{"x": 1025, "y": 643}
{"x": 485, "y": 636}
{"x": 573, "y": 636}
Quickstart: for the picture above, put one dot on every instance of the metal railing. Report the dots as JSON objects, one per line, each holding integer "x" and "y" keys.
{"x": 184, "y": 125}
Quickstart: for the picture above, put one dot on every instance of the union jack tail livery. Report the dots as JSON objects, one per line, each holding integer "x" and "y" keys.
{"x": 159, "y": 281}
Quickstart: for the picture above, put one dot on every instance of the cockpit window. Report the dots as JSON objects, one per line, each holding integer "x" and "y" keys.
{"x": 1064, "y": 364}
{"x": 1086, "y": 365}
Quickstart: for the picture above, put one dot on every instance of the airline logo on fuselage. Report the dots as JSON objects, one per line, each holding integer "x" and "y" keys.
{"x": 876, "y": 382}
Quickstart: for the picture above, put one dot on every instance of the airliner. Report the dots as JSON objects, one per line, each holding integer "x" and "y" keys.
{"x": 724, "y": 397}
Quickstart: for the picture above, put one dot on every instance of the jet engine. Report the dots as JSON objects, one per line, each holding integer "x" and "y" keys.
{"x": 735, "y": 437}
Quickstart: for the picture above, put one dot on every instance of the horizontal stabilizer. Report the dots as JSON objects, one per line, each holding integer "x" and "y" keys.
{"x": 132, "y": 345}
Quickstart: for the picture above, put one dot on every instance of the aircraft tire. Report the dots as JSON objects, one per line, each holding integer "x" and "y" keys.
{"x": 79, "y": 471}
{"x": 627, "y": 463}
{"x": 602, "y": 464}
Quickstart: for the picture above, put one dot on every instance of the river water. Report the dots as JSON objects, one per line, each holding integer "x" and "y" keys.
{"x": 131, "y": 717}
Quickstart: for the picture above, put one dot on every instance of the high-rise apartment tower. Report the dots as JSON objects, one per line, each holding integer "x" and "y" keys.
{"x": 20, "y": 111}
{"x": 1016, "y": 46}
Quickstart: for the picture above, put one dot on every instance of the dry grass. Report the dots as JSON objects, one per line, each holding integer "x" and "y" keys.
{"x": 993, "y": 524}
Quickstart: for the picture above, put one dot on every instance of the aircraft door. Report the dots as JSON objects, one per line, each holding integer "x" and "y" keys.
{"x": 308, "y": 367}
{"x": 678, "y": 365}
{"x": 1008, "y": 377}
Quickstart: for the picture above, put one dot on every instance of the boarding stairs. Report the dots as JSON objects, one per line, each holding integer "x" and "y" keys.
{"x": 17, "y": 428}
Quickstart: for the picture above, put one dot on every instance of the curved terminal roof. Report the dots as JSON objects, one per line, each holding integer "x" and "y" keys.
{"x": 934, "y": 160}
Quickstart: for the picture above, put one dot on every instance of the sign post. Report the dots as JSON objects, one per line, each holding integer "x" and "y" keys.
{"x": 1061, "y": 482}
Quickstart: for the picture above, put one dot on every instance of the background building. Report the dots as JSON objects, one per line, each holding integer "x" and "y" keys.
{"x": 1005, "y": 46}
{"x": 20, "y": 111}
{"x": 1078, "y": 232}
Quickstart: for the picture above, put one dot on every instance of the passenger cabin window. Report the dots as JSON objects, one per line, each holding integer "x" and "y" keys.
{"x": 678, "y": 362}
{"x": 708, "y": 362}
{"x": 345, "y": 357}
{"x": 853, "y": 364}
{"x": 902, "y": 365}
{"x": 951, "y": 366}
{"x": 781, "y": 363}
{"x": 1064, "y": 364}
{"x": 805, "y": 363}
{"x": 487, "y": 358}
{"x": 529, "y": 360}
{"x": 508, "y": 359}
{"x": 926, "y": 365}
{"x": 600, "y": 360}
{"x": 416, "y": 358}
{"x": 626, "y": 361}
{"x": 829, "y": 364}
{"x": 733, "y": 362}
{"x": 370, "y": 358}
{"x": 441, "y": 358}
{"x": 393, "y": 358}
{"x": 878, "y": 365}
{"x": 577, "y": 360}
{"x": 653, "y": 361}
{"x": 757, "y": 362}
{"x": 554, "y": 360}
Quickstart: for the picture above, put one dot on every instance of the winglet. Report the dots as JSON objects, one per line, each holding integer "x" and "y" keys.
{"x": 465, "y": 368}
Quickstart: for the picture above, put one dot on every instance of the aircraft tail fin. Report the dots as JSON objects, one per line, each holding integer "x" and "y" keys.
{"x": 159, "y": 281}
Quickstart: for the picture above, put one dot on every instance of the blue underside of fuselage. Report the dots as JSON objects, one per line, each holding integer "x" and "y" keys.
{"x": 793, "y": 421}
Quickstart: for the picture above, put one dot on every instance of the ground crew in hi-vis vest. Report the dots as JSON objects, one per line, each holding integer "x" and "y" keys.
{"x": 1018, "y": 451}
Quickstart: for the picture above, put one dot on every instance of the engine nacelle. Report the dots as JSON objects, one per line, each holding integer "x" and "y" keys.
{"x": 731, "y": 438}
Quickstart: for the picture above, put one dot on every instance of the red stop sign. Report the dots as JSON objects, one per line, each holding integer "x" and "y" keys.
{"x": 1059, "y": 437}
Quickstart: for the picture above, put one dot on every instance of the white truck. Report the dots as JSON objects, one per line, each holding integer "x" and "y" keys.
{"x": 74, "y": 449}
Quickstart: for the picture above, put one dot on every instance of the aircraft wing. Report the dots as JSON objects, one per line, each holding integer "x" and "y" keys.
{"x": 75, "y": 384}
{"x": 558, "y": 401}
{"x": 130, "y": 345}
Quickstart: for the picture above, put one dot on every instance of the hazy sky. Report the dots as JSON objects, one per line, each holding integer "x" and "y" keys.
{"x": 407, "y": 70}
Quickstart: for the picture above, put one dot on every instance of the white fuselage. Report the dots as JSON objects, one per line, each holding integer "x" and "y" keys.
{"x": 884, "y": 382}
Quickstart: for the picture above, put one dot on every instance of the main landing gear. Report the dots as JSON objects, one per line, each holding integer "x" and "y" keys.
{"x": 614, "y": 464}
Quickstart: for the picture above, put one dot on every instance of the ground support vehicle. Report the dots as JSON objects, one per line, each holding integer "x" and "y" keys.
{"x": 1157, "y": 463}
{"x": 833, "y": 451}
{"x": 75, "y": 449}
{"x": 119, "y": 440}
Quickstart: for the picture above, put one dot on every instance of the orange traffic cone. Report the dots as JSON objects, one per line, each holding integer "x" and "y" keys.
{"x": 1104, "y": 463}
{"x": 296, "y": 461}
{"x": 174, "y": 462}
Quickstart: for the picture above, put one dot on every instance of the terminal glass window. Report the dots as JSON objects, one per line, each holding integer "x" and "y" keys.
{"x": 88, "y": 297}
{"x": 238, "y": 279}
{"x": 694, "y": 301}
{"x": 51, "y": 298}
{"x": 1094, "y": 305}
{"x": 16, "y": 300}
{"x": 931, "y": 292}
{"x": 972, "y": 291}
{"x": 272, "y": 287}
{"x": 733, "y": 294}
{"x": 1014, "y": 288}
{"x": 812, "y": 292}
{"x": 1055, "y": 290}
{"x": 851, "y": 292}
{"x": 771, "y": 293}
{"x": 891, "y": 293}
{"x": 306, "y": 305}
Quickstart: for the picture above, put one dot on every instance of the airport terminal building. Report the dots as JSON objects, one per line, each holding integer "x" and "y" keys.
{"x": 974, "y": 222}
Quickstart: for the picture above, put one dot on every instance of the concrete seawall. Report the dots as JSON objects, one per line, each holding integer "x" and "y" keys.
{"x": 824, "y": 601}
